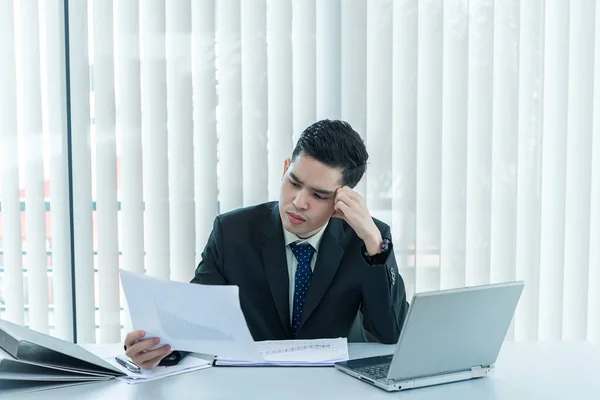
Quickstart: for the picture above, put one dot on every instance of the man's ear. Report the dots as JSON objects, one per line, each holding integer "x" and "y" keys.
{"x": 286, "y": 165}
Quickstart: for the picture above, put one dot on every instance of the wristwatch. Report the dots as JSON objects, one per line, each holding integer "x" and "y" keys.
{"x": 381, "y": 257}
{"x": 170, "y": 360}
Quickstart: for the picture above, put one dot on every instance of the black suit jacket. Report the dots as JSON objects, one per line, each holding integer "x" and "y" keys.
{"x": 246, "y": 248}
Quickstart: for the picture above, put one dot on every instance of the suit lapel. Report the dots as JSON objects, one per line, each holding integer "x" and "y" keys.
{"x": 274, "y": 259}
{"x": 328, "y": 259}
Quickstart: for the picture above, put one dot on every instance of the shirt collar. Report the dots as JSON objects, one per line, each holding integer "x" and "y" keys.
{"x": 314, "y": 240}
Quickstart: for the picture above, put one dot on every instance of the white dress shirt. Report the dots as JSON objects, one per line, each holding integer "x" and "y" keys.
{"x": 292, "y": 262}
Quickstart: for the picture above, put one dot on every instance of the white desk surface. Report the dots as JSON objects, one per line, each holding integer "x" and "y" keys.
{"x": 524, "y": 370}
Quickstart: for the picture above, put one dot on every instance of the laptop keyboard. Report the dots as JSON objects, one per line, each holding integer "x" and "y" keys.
{"x": 379, "y": 371}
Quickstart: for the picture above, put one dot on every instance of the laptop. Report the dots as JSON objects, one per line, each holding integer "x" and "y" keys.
{"x": 448, "y": 336}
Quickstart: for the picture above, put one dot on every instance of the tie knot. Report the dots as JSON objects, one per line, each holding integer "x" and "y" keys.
{"x": 303, "y": 252}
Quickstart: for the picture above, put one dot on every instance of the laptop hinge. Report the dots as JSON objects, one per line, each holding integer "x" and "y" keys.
{"x": 480, "y": 371}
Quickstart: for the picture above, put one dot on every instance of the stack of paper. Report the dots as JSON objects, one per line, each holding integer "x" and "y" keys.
{"x": 208, "y": 319}
{"x": 297, "y": 353}
{"x": 108, "y": 352}
{"x": 189, "y": 317}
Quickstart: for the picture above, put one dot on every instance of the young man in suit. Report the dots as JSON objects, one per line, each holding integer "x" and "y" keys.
{"x": 305, "y": 265}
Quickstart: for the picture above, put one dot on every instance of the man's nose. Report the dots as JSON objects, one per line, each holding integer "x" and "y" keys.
{"x": 300, "y": 201}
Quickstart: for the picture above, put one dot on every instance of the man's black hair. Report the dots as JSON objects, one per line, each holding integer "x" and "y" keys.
{"x": 336, "y": 144}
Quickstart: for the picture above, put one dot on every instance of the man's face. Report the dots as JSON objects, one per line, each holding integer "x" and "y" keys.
{"x": 307, "y": 195}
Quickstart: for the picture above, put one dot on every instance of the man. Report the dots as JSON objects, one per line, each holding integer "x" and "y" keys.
{"x": 307, "y": 264}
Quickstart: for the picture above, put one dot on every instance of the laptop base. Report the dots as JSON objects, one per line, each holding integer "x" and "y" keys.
{"x": 391, "y": 385}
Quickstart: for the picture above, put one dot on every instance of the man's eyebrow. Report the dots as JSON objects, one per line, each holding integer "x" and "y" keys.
{"x": 320, "y": 191}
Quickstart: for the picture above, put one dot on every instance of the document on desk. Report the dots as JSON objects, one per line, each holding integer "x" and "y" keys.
{"x": 295, "y": 353}
{"x": 190, "y": 317}
{"x": 108, "y": 352}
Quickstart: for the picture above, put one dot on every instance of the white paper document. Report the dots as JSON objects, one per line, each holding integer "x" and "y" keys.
{"x": 109, "y": 351}
{"x": 299, "y": 353}
{"x": 190, "y": 317}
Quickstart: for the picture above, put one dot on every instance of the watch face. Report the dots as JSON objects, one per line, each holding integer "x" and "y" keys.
{"x": 385, "y": 245}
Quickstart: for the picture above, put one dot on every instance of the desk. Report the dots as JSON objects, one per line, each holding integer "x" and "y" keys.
{"x": 529, "y": 371}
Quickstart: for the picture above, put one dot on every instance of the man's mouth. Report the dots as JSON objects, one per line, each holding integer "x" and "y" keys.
{"x": 295, "y": 218}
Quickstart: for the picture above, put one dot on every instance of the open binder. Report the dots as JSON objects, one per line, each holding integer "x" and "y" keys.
{"x": 31, "y": 361}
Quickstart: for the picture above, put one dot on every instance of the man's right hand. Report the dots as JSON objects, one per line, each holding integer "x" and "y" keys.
{"x": 137, "y": 349}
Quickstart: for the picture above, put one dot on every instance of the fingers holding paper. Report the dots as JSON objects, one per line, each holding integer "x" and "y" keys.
{"x": 138, "y": 349}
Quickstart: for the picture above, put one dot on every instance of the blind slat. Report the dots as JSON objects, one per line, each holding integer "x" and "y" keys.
{"x": 181, "y": 139}
{"x": 11, "y": 227}
{"x": 82, "y": 174}
{"x": 9, "y": 171}
{"x": 479, "y": 143}
{"x": 230, "y": 107}
{"x": 254, "y": 101}
{"x": 328, "y": 67}
{"x": 54, "y": 104}
{"x": 155, "y": 136}
{"x": 556, "y": 83}
{"x": 280, "y": 94}
{"x": 527, "y": 263}
{"x": 129, "y": 129}
{"x": 578, "y": 174}
{"x": 429, "y": 145}
{"x": 379, "y": 107}
{"x": 404, "y": 140}
{"x": 594, "y": 279}
{"x": 106, "y": 173}
{"x": 31, "y": 147}
{"x": 304, "y": 31}
{"x": 129, "y": 133}
{"x": 504, "y": 141}
{"x": 205, "y": 130}
{"x": 353, "y": 79}
{"x": 454, "y": 144}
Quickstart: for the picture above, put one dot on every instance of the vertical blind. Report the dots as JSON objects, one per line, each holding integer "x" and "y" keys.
{"x": 480, "y": 117}
{"x": 35, "y": 241}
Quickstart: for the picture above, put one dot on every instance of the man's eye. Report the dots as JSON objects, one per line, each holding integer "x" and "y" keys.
{"x": 318, "y": 196}
{"x": 295, "y": 184}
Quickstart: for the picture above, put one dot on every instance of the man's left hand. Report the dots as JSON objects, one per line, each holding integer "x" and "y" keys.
{"x": 351, "y": 207}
